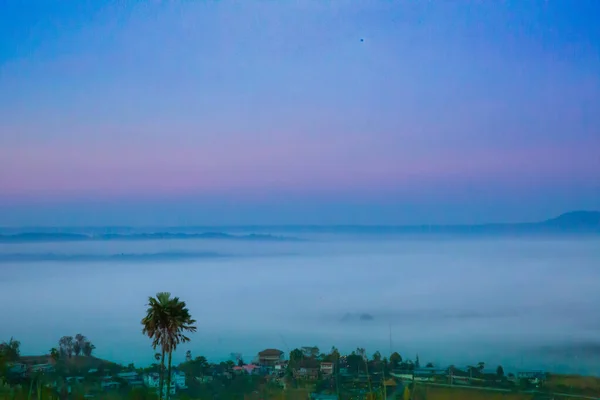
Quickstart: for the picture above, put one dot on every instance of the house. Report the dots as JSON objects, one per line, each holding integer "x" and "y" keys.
{"x": 306, "y": 373}
{"x": 108, "y": 384}
{"x": 178, "y": 381}
{"x": 428, "y": 374}
{"x": 534, "y": 377}
{"x": 132, "y": 378}
{"x": 43, "y": 368}
{"x": 152, "y": 380}
{"x": 251, "y": 369}
{"x": 327, "y": 368}
{"x": 406, "y": 375}
{"x": 19, "y": 369}
{"x": 37, "y": 364}
{"x": 270, "y": 357}
{"x": 280, "y": 366}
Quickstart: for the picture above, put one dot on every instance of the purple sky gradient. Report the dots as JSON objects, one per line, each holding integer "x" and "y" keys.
{"x": 462, "y": 108}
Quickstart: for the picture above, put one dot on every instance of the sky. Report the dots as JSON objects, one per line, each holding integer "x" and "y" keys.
{"x": 288, "y": 112}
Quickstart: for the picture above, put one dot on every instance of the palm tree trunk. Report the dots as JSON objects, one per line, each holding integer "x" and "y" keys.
{"x": 30, "y": 388}
{"x": 161, "y": 375}
{"x": 169, "y": 376}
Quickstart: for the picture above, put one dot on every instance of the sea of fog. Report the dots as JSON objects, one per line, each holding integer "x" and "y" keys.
{"x": 520, "y": 302}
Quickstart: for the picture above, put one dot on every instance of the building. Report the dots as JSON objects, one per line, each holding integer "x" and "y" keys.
{"x": 327, "y": 368}
{"x": 280, "y": 366}
{"x": 270, "y": 357}
{"x": 534, "y": 377}
{"x": 178, "y": 378}
{"x": 406, "y": 375}
{"x": 18, "y": 369}
{"x": 108, "y": 384}
{"x": 36, "y": 364}
{"x": 178, "y": 381}
{"x": 251, "y": 369}
{"x": 132, "y": 378}
{"x": 306, "y": 373}
{"x": 428, "y": 374}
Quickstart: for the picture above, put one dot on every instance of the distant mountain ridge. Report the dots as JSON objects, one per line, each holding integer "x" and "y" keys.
{"x": 570, "y": 223}
{"x": 74, "y": 237}
{"x": 164, "y": 256}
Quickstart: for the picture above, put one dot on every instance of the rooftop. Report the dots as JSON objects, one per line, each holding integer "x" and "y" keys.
{"x": 271, "y": 353}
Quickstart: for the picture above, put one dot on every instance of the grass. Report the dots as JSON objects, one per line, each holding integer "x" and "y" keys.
{"x": 443, "y": 393}
{"x": 588, "y": 385}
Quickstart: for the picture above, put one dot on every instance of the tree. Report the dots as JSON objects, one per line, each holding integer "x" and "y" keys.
{"x": 65, "y": 346}
{"x": 417, "y": 363}
{"x": 310, "y": 351}
{"x": 54, "y": 354}
{"x": 377, "y": 356}
{"x": 471, "y": 370}
{"x": 395, "y": 359}
{"x": 500, "y": 371}
{"x": 10, "y": 350}
{"x": 480, "y": 366}
{"x": 167, "y": 321}
{"x": 197, "y": 367}
{"x": 429, "y": 365}
{"x": 88, "y": 348}
{"x": 360, "y": 351}
{"x": 333, "y": 356}
{"x": 78, "y": 344}
{"x": 296, "y": 356}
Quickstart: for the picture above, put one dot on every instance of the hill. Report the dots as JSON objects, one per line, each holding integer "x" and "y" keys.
{"x": 575, "y": 220}
{"x": 82, "y": 363}
{"x": 570, "y": 223}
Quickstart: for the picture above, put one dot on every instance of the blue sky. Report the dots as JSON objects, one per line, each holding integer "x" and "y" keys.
{"x": 297, "y": 111}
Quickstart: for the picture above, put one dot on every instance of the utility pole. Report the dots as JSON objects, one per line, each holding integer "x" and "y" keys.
{"x": 391, "y": 347}
{"x": 337, "y": 376}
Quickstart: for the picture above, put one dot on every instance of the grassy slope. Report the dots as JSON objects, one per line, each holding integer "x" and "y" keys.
{"x": 587, "y": 385}
{"x": 575, "y": 384}
{"x": 441, "y": 393}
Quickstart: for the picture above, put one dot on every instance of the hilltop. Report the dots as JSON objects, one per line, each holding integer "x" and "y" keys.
{"x": 578, "y": 220}
{"x": 83, "y": 363}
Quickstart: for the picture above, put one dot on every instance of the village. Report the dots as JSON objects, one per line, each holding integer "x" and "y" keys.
{"x": 306, "y": 371}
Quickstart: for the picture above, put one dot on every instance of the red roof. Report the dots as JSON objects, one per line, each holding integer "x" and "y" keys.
{"x": 270, "y": 353}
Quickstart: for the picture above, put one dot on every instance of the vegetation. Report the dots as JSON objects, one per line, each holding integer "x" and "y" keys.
{"x": 78, "y": 345}
{"x": 76, "y": 374}
{"x": 167, "y": 321}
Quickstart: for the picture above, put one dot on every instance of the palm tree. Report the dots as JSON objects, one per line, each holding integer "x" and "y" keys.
{"x": 88, "y": 348}
{"x": 166, "y": 321}
{"x": 181, "y": 323}
{"x": 78, "y": 344}
{"x": 54, "y": 354}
